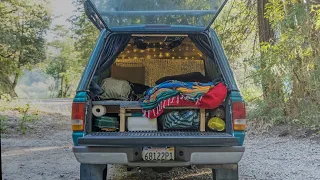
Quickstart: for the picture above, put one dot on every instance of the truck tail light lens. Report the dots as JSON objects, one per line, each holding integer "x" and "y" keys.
{"x": 78, "y": 116}
{"x": 239, "y": 116}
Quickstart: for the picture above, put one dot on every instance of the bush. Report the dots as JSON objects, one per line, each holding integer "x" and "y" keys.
{"x": 4, "y": 123}
{"x": 26, "y": 115}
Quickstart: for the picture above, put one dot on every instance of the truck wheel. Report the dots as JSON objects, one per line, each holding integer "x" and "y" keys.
{"x": 225, "y": 174}
{"x": 93, "y": 172}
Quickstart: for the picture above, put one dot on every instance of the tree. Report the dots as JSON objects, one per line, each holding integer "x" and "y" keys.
{"x": 63, "y": 63}
{"x": 23, "y": 25}
{"x": 270, "y": 80}
{"x": 85, "y": 33}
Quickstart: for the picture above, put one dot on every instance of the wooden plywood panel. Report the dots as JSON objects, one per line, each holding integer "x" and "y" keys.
{"x": 132, "y": 74}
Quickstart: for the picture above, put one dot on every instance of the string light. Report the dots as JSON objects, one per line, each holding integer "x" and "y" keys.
{"x": 160, "y": 43}
{"x": 142, "y": 51}
{"x": 135, "y": 58}
{"x": 155, "y": 55}
{"x": 179, "y": 49}
{"x": 148, "y": 56}
{"x": 193, "y": 49}
{"x": 128, "y": 52}
{"x": 192, "y": 57}
{"x": 154, "y": 49}
{"x": 167, "y": 54}
{"x": 186, "y": 57}
{"x": 134, "y": 50}
{"x": 179, "y": 57}
{"x": 172, "y": 49}
{"x": 172, "y": 57}
{"x": 129, "y": 44}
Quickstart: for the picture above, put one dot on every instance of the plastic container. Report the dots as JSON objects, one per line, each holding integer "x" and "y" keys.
{"x": 142, "y": 124}
{"x": 107, "y": 122}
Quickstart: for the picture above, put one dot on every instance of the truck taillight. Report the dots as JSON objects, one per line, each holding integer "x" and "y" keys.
{"x": 239, "y": 116}
{"x": 77, "y": 116}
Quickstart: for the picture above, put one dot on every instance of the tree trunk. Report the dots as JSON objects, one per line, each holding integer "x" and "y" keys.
{"x": 61, "y": 88}
{"x": 6, "y": 86}
{"x": 15, "y": 81}
{"x": 271, "y": 85}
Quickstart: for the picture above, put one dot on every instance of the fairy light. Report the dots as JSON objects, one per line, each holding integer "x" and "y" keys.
{"x": 192, "y": 57}
{"x": 167, "y": 54}
{"x": 154, "y": 49}
{"x": 128, "y": 52}
{"x": 172, "y": 57}
{"x": 135, "y": 58}
{"x": 160, "y": 43}
{"x": 129, "y": 44}
{"x": 179, "y": 57}
{"x": 148, "y": 56}
{"x": 142, "y": 51}
{"x": 186, "y": 58}
{"x": 193, "y": 49}
{"x": 172, "y": 49}
{"x": 155, "y": 55}
{"x": 134, "y": 50}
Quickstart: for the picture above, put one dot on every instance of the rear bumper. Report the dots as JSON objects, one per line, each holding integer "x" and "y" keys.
{"x": 131, "y": 156}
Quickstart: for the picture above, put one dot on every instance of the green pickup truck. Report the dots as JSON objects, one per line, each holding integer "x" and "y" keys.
{"x": 141, "y": 42}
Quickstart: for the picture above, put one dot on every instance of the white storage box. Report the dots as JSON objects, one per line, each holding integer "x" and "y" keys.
{"x": 142, "y": 124}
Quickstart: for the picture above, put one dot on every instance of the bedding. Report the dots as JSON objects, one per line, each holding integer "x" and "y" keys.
{"x": 187, "y": 119}
{"x": 154, "y": 103}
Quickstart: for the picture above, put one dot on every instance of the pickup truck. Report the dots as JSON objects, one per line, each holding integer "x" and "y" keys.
{"x": 142, "y": 41}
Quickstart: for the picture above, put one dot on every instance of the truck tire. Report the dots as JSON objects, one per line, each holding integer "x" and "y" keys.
{"x": 93, "y": 172}
{"x": 225, "y": 174}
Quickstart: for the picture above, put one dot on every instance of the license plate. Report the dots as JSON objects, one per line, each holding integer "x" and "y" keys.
{"x": 158, "y": 153}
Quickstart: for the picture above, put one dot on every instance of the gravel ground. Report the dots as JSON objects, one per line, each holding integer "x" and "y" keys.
{"x": 45, "y": 153}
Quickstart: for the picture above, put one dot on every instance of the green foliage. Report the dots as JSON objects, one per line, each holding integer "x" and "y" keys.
{"x": 236, "y": 26}
{"x": 316, "y": 10}
{"x": 85, "y": 33}
{"x": 23, "y": 25}
{"x": 64, "y": 64}
{"x": 3, "y": 123}
{"x": 26, "y": 117}
{"x": 293, "y": 60}
{"x": 26, "y": 114}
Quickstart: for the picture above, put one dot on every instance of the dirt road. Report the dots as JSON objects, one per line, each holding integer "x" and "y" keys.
{"x": 45, "y": 153}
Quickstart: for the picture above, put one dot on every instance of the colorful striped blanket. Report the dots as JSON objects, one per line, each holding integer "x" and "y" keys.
{"x": 169, "y": 93}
